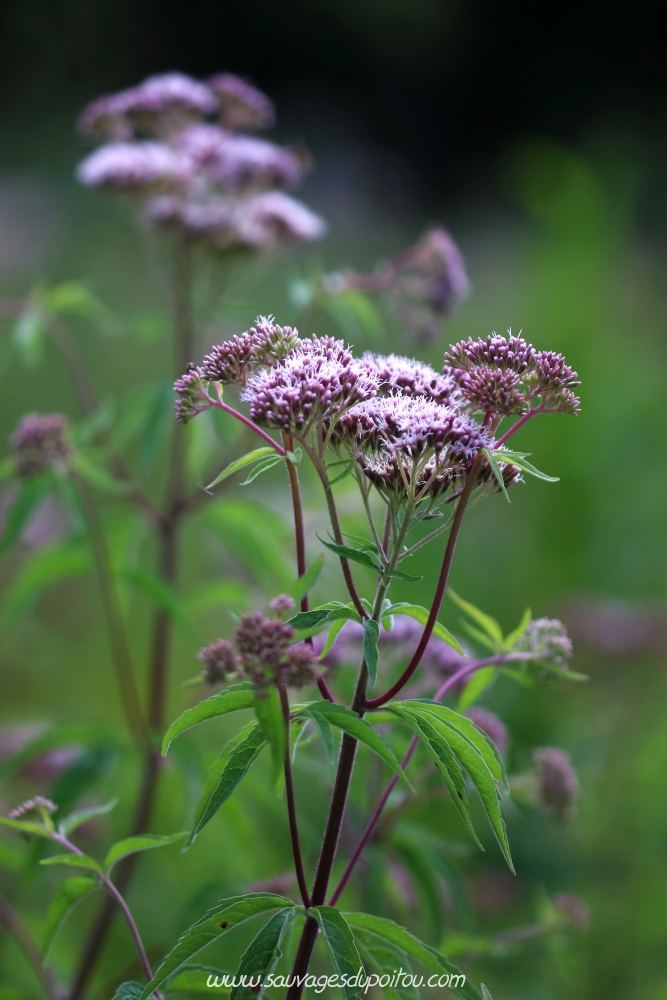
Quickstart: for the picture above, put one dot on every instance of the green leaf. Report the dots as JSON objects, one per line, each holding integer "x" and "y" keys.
{"x": 257, "y": 537}
{"x": 234, "y": 699}
{"x": 26, "y": 826}
{"x": 128, "y": 991}
{"x": 352, "y": 724}
{"x": 332, "y": 635}
{"x": 485, "y": 993}
{"x": 519, "y": 459}
{"x": 305, "y": 583}
{"x": 9, "y": 858}
{"x": 324, "y": 729}
{"x": 386, "y": 959}
{"x": 226, "y": 774}
{"x": 261, "y": 467}
{"x": 495, "y": 469}
{"x": 488, "y": 624}
{"x": 262, "y": 955}
{"x": 194, "y": 979}
{"x": 162, "y": 595}
{"x": 349, "y": 466}
{"x": 75, "y": 819}
{"x": 69, "y": 894}
{"x": 240, "y": 463}
{"x": 316, "y": 620}
{"x": 73, "y": 297}
{"x": 362, "y": 543}
{"x": 42, "y": 567}
{"x": 371, "y": 652}
{"x": 355, "y": 555}
{"x": 216, "y": 922}
{"x": 421, "y": 614}
{"x": 131, "y": 845}
{"x": 467, "y": 727}
{"x": 514, "y": 636}
{"x": 74, "y": 860}
{"x": 476, "y": 686}
{"x": 98, "y": 476}
{"x": 387, "y": 930}
{"x": 270, "y": 716}
{"x": 398, "y": 574}
{"x": 341, "y": 945}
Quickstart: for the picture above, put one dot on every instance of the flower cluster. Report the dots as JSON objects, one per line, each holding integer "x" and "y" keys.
{"x": 506, "y": 375}
{"x": 547, "y": 639}
{"x": 409, "y": 377}
{"x": 39, "y": 806}
{"x": 192, "y": 392}
{"x": 40, "y": 442}
{"x": 556, "y": 782}
{"x": 261, "y": 651}
{"x": 200, "y": 178}
{"x": 396, "y": 644}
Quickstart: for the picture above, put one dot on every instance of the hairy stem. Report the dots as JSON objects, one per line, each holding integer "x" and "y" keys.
{"x": 11, "y": 921}
{"x": 291, "y": 804}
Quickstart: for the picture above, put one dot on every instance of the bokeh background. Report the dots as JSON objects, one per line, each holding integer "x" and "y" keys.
{"x": 537, "y": 134}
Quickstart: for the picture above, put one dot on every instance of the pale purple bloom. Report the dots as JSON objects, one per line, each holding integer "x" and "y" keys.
{"x": 135, "y": 166}
{"x": 547, "y": 639}
{"x": 40, "y": 441}
{"x": 192, "y": 391}
{"x": 556, "y": 782}
{"x": 211, "y": 218}
{"x": 397, "y": 644}
{"x": 414, "y": 378}
{"x": 200, "y": 142}
{"x": 438, "y": 271}
{"x": 281, "y": 604}
{"x": 221, "y": 661}
{"x": 38, "y": 805}
{"x": 273, "y": 217}
{"x": 242, "y": 106}
{"x": 272, "y": 342}
{"x": 105, "y": 119}
{"x": 494, "y": 352}
{"x": 572, "y": 909}
{"x": 229, "y": 362}
{"x": 167, "y": 92}
{"x": 244, "y": 162}
{"x": 494, "y": 390}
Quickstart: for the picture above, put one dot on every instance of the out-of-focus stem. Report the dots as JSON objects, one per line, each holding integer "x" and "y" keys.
{"x": 11, "y": 921}
{"x": 291, "y": 805}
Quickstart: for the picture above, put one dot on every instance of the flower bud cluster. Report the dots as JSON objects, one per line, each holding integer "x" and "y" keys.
{"x": 200, "y": 178}
{"x": 38, "y": 805}
{"x": 40, "y": 442}
{"x": 548, "y": 640}
{"x": 556, "y": 782}
{"x": 192, "y": 392}
{"x": 261, "y": 651}
{"x": 410, "y": 377}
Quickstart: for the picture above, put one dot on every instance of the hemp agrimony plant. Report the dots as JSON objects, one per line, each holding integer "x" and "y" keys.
{"x": 422, "y": 446}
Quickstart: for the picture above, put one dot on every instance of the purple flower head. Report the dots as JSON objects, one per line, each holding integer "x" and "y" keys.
{"x": 164, "y": 104}
{"x": 494, "y": 390}
{"x": 430, "y": 281}
{"x": 210, "y": 219}
{"x": 271, "y": 218}
{"x": 398, "y": 644}
{"x": 547, "y": 638}
{"x": 495, "y": 352}
{"x": 201, "y": 143}
{"x": 221, "y": 661}
{"x": 272, "y": 342}
{"x": 262, "y": 645}
{"x": 307, "y": 386}
{"x": 553, "y": 381}
{"x": 104, "y": 119}
{"x": 281, "y": 604}
{"x": 38, "y": 805}
{"x": 556, "y": 782}
{"x": 491, "y": 726}
{"x": 244, "y": 163}
{"x": 39, "y": 442}
{"x": 417, "y": 425}
{"x": 131, "y": 166}
{"x": 300, "y": 667}
{"x": 242, "y": 106}
{"x": 192, "y": 392}
{"x": 230, "y": 361}
{"x": 413, "y": 378}
{"x": 572, "y": 909}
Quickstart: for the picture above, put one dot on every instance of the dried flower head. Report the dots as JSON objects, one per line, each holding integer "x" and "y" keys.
{"x": 263, "y": 645}
{"x": 509, "y": 352}
{"x": 556, "y": 782}
{"x": 413, "y": 378}
{"x": 221, "y": 661}
{"x": 491, "y": 726}
{"x": 38, "y": 805}
{"x": 572, "y": 909}
{"x": 39, "y": 442}
{"x": 192, "y": 393}
{"x": 547, "y": 638}
{"x": 308, "y": 387}
{"x": 272, "y": 342}
{"x": 271, "y": 218}
{"x": 281, "y": 604}
{"x": 242, "y": 106}
{"x": 230, "y": 361}
{"x": 494, "y": 390}
{"x": 132, "y": 167}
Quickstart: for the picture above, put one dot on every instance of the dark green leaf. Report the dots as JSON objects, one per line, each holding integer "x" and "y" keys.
{"x": 240, "y": 463}
{"x": 495, "y": 469}
{"x": 306, "y": 582}
{"x": 467, "y": 727}
{"x": 340, "y": 942}
{"x": 355, "y": 726}
{"x": 271, "y": 719}
{"x": 356, "y": 555}
{"x": 128, "y": 991}
{"x": 371, "y": 652}
{"x": 235, "y": 698}
{"x": 421, "y": 615}
{"x": 194, "y": 979}
{"x": 85, "y": 773}
{"x": 387, "y": 959}
{"x": 324, "y": 729}
{"x": 131, "y": 845}
{"x": 73, "y": 860}
{"x": 227, "y": 772}
{"x": 398, "y": 574}
{"x": 75, "y": 819}
{"x": 216, "y": 922}
{"x": 412, "y": 946}
{"x": 262, "y": 956}
{"x": 261, "y": 467}
{"x": 311, "y": 622}
{"x": 69, "y": 894}
{"x": 332, "y": 635}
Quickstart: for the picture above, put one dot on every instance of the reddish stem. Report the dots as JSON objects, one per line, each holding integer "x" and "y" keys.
{"x": 291, "y": 806}
{"x": 522, "y": 420}
{"x": 218, "y": 403}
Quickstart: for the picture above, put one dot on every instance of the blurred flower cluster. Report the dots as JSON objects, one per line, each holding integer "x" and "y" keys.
{"x": 180, "y": 147}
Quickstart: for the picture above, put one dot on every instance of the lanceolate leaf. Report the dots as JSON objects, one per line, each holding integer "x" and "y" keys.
{"x": 421, "y": 614}
{"x": 73, "y": 860}
{"x": 227, "y": 772}
{"x": 371, "y": 654}
{"x": 324, "y": 729}
{"x": 216, "y": 922}
{"x": 262, "y": 956}
{"x": 263, "y": 466}
{"x": 75, "y": 819}
{"x": 69, "y": 894}
{"x": 515, "y": 634}
{"x": 340, "y": 943}
{"x": 467, "y": 727}
{"x": 356, "y": 555}
{"x": 488, "y": 624}
{"x": 387, "y": 959}
{"x": 333, "y": 634}
{"x": 351, "y": 723}
{"x": 234, "y": 699}
{"x": 306, "y": 582}
{"x": 476, "y": 686}
{"x": 131, "y": 845}
{"x": 485, "y": 993}
{"x": 272, "y": 722}
{"x": 240, "y": 463}
{"x": 519, "y": 459}
{"x": 495, "y": 469}
{"x": 26, "y": 826}
{"x": 388, "y": 931}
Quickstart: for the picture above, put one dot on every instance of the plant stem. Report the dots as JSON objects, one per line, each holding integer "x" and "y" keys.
{"x": 338, "y": 535}
{"x": 291, "y": 804}
{"x": 218, "y": 404}
{"x": 10, "y": 919}
{"x": 520, "y": 422}
{"x": 439, "y": 593}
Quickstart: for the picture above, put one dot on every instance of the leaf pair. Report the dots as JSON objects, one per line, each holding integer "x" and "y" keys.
{"x": 518, "y": 458}
{"x": 364, "y": 558}
{"x": 262, "y": 458}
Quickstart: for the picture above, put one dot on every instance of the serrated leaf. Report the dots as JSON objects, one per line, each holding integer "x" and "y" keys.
{"x": 305, "y": 583}
{"x": 131, "y": 845}
{"x": 371, "y": 652}
{"x": 476, "y": 686}
{"x": 216, "y": 922}
{"x": 340, "y": 942}
{"x": 519, "y": 459}
{"x": 240, "y": 463}
{"x": 323, "y": 727}
{"x": 261, "y": 467}
{"x": 128, "y": 991}
{"x": 488, "y": 624}
{"x": 352, "y": 724}
{"x": 69, "y": 894}
{"x": 355, "y": 555}
{"x": 234, "y": 699}
{"x": 262, "y": 956}
{"x": 387, "y": 930}
{"x": 80, "y": 816}
{"x": 485, "y": 746}
{"x": 226, "y": 774}
{"x": 74, "y": 861}
{"x": 495, "y": 469}
{"x": 421, "y": 614}
{"x": 270, "y": 716}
